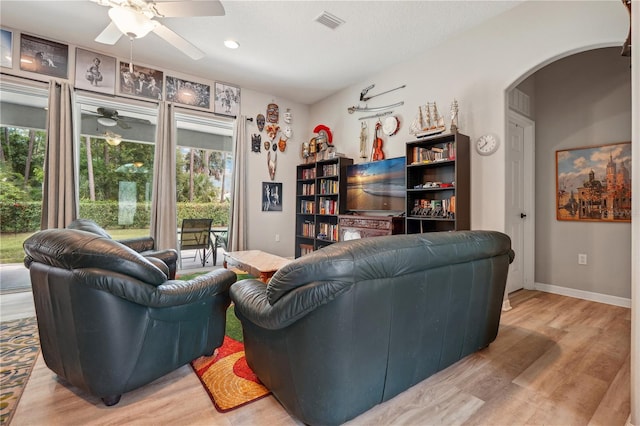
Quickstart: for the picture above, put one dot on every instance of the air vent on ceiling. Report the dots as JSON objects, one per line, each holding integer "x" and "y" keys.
{"x": 329, "y": 20}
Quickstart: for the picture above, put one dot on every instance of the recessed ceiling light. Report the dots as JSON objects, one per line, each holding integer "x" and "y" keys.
{"x": 231, "y": 44}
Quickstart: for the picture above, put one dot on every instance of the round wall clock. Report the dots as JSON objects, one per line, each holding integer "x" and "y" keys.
{"x": 487, "y": 144}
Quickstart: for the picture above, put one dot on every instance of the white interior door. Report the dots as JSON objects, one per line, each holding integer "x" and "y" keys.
{"x": 520, "y": 199}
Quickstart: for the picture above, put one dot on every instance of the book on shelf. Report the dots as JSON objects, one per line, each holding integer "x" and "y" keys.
{"x": 327, "y": 206}
{"x": 308, "y": 229}
{"x": 307, "y": 207}
{"x": 308, "y": 189}
{"x": 327, "y": 231}
{"x": 330, "y": 169}
{"x": 305, "y": 249}
{"x": 308, "y": 173}
{"x": 328, "y": 186}
{"x": 443, "y": 152}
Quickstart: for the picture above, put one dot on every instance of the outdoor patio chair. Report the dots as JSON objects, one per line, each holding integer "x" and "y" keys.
{"x": 195, "y": 234}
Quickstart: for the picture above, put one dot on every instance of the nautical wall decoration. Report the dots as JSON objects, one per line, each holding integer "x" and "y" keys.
{"x": 272, "y": 164}
{"x": 428, "y": 121}
{"x": 454, "y": 116}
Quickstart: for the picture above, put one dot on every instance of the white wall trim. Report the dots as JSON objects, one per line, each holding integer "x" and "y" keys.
{"x": 585, "y": 295}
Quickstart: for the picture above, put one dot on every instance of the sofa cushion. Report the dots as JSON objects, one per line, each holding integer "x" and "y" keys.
{"x": 89, "y": 226}
{"x": 75, "y": 249}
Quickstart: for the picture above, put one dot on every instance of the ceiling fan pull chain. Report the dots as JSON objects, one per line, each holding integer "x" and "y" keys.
{"x": 131, "y": 55}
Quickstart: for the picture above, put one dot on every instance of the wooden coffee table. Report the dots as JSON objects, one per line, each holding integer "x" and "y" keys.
{"x": 256, "y": 262}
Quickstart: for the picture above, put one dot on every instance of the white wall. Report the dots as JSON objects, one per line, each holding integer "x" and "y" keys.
{"x": 476, "y": 68}
{"x": 582, "y": 100}
{"x": 262, "y": 226}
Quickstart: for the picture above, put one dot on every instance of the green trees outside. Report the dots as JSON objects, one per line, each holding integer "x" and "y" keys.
{"x": 200, "y": 180}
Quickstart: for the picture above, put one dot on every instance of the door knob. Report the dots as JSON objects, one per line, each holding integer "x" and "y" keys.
{"x": 522, "y": 215}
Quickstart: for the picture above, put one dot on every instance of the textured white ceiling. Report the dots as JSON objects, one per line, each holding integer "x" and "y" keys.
{"x": 283, "y": 51}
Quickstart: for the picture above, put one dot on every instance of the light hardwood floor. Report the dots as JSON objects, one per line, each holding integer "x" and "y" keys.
{"x": 556, "y": 361}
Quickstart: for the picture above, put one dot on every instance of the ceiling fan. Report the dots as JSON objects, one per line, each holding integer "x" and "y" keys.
{"x": 110, "y": 117}
{"x": 136, "y": 18}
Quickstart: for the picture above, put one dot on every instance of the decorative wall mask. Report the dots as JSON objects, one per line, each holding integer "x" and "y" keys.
{"x": 271, "y": 164}
{"x": 287, "y": 116}
{"x": 274, "y": 146}
{"x": 288, "y": 132}
{"x": 282, "y": 144}
{"x": 272, "y": 131}
{"x": 260, "y": 122}
{"x": 267, "y": 145}
{"x": 273, "y": 113}
{"x": 255, "y": 142}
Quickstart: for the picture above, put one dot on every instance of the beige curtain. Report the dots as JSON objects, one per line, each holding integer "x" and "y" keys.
{"x": 237, "y": 239}
{"x": 163, "y": 204}
{"x": 59, "y": 189}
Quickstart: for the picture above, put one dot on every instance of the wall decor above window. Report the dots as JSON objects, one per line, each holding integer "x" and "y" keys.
{"x": 594, "y": 183}
{"x": 227, "y": 99}
{"x": 95, "y": 72}
{"x": 43, "y": 56}
{"x": 188, "y": 92}
{"x": 6, "y": 41}
{"x": 144, "y": 82}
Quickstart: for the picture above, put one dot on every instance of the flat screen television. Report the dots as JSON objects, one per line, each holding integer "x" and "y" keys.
{"x": 377, "y": 187}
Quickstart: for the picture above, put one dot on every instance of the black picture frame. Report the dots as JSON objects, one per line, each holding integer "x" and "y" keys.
{"x": 43, "y": 56}
{"x": 271, "y": 196}
{"x": 95, "y": 72}
{"x": 144, "y": 82}
{"x": 188, "y": 92}
{"x": 226, "y": 99}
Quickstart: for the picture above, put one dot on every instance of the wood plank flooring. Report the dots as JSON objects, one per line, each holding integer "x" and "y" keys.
{"x": 556, "y": 361}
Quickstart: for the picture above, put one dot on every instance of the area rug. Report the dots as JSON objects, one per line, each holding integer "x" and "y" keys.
{"x": 19, "y": 349}
{"x": 226, "y": 376}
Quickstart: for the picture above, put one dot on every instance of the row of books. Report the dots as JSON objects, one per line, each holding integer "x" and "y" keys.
{"x": 446, "y": 151}
{"x": 326, "y": 231}
{"x": 308, "y": 173}
{"x": 330, "y": 169}
{"x": 445, "y": 209}
{"x": 307, "y": 207}
{"x": 327, "y": 206}
{"x": 308, "y": 229}
{"x": 305, "y": 249}
{"x": 329, "y": 186}
{"x": 308, "y": 189}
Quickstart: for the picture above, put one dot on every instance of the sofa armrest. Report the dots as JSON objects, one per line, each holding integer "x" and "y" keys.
{"x": 139, "y": 244}
{"x": 250, "y": 299}
{"x": 177, "y": 292}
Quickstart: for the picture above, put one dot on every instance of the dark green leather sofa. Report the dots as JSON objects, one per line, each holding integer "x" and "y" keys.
{"x": 110, "y": 320}
{"x": 352, "y": 325}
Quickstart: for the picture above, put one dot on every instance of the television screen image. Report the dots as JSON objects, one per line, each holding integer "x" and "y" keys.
{"x": 378, "y": 186}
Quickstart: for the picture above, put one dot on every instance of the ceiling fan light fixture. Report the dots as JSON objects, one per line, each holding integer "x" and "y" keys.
{"x": 107, "y": 122}
{"x": 133, "y": 24}
{"x": 231, "y": 44}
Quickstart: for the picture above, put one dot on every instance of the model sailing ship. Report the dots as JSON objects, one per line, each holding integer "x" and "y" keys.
{"x": 428, "y": 121}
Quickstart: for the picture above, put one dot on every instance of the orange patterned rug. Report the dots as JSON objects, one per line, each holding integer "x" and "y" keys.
{"x": 227, "y": 377}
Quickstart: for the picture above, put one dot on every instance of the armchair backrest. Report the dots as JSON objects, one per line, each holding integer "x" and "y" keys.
{"x": 74, "y": 249}
{"x": 195, "y": 234}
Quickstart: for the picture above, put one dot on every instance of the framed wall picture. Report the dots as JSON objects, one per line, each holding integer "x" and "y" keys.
{"x": 271, "y": 196}
{"x": 6, "y": 41}
{"x": 43, "y": 56}
{"x": 143, "y": 81}
{"x": 594, "y": 183}
{"x": 95, "y": 72}
{"x": 188, "y": 92}
{"x": 227, "y": 99}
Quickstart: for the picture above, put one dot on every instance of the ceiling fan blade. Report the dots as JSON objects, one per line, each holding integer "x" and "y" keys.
{"x": 109, "y": 35}
{"x": 181, "y": 44}
{"x": 181, "y": 9}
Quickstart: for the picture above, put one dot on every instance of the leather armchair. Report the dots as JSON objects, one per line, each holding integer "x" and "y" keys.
{"x": 349, "y": 326}
{"x": 143, "y": 245}
{"x": 110, "y": 320}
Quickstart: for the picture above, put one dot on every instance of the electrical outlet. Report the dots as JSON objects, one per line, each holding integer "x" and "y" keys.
{"x": 278, "y": 238}
{"x": 582, "y": 259}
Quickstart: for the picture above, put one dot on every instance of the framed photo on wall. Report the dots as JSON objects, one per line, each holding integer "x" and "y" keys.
{"x": 143, "y": 81}
{"x": 271, "y": 196}
{"x": 188, "y": 92}
{"x": 95, "y": 72}
{"x": 43, "y": 56}
{"x": 6, "y": 41}
{"x": 227, "y": 99}
{"x": 594, "y": 183}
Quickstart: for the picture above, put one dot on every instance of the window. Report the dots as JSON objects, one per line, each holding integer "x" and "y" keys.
{"x": 116, "y": 154}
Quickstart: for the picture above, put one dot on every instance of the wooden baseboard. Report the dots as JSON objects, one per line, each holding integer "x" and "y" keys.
{"x": 585, "y": 295}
